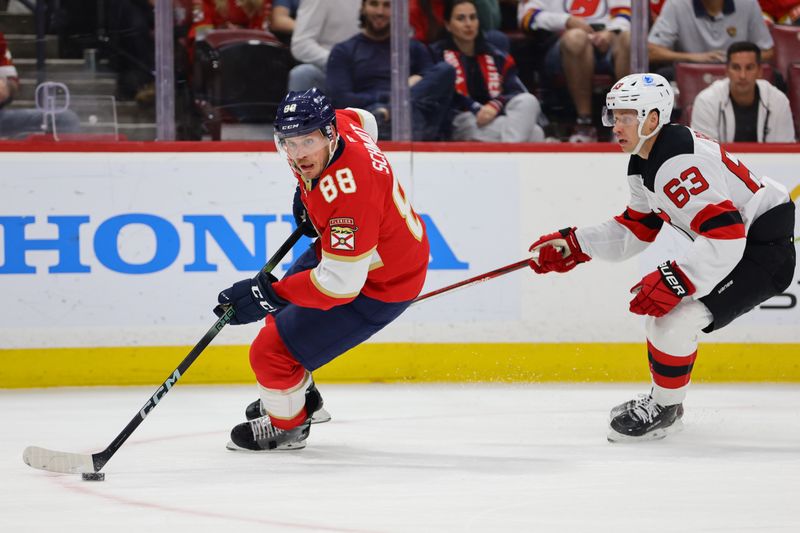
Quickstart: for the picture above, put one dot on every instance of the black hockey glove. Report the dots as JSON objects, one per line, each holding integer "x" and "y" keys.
{"x": 301, "y": 216}
{"x": 251, "y": 299}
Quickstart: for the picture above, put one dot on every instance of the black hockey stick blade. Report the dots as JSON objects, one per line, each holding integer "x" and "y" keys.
{"x": 77, "y": 463}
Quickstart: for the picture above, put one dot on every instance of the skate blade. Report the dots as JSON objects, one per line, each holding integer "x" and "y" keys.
{"x": 658, "y": 434}
{"x": 320, "y": 416}
{"x": 286, "y": 447}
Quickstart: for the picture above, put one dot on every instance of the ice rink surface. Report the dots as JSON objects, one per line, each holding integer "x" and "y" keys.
{"x": 409, "y": 458}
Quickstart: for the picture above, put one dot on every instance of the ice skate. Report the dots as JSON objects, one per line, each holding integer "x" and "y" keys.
{"x": 259, "y": 435}
{"x": 318, "y": 416}
{"x": 631, "y": 404}
{"x": 644, "y": 419}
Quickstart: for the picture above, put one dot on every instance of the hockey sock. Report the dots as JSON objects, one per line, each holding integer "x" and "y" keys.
{"x": 282, "y": 380}
{"x": 671, "y": 374}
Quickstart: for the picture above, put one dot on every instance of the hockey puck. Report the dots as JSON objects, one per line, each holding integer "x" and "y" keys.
{"x": 93, "y": 476}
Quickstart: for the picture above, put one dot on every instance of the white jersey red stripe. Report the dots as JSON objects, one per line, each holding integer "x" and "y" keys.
{"x": 552, "y": 15}
{"x": 694, "y": 185}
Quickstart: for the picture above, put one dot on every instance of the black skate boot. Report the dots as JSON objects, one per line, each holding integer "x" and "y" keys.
{"x": 645, "y": 420}
{"x": 313, "y": 400}
{"x": 631, "y": 404}
{"x": 259, "y": 435}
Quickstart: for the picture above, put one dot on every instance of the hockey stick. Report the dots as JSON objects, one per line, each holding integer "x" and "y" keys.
{"x": 481, "y": 277}
{"x": 78, "y": 463}
{"x": 473, "y": 281}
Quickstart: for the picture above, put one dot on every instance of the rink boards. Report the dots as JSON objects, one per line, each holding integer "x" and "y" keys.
{"x": 111, "y": 259}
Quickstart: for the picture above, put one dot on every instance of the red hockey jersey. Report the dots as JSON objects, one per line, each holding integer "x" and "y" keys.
{"x": 371, "y": 240}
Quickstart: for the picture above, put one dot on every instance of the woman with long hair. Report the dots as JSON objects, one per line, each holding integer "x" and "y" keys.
{"x": 491, "y": 103}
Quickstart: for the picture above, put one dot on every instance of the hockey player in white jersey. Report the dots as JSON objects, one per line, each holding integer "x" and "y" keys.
{"x": 742, "y": 251}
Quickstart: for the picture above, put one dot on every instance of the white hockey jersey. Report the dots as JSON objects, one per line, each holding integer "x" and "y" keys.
{"x": 552, "y": 15}
{"x": 706, "y": 194}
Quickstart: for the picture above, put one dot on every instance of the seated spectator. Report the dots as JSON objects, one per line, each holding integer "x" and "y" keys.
{"x": 228, "y": 14}
{"x": 359, "y": 75}
{"x": 320, "y": 24}
{"x": 491, "y": 103}
{"x": 784, "y": 12}
{"x": 426, "y": 18}
{"x": 699, "y": 31}
{"x": 210, "y": 15}
{"x": 594, "y": 40}
{"x": 20, "y": 122}
{"x": 282, "y": 18}
{"x": 131, "y": 48}
{"x": 741, "y": 107}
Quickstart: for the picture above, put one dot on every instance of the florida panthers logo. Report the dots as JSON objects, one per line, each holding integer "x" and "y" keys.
{"x": 343, "y": 233}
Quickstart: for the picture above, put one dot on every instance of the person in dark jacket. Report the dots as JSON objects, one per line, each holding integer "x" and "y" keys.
{"x": 491, "y": 103}
{"x": 359, "y": 75}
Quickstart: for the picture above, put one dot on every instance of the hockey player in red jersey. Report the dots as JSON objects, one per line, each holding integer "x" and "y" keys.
{"x": 741, "y": 254}
{"x": 364, "y": 269}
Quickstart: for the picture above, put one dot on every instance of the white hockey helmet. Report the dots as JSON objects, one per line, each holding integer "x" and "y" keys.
{"x": 641, "y": 93}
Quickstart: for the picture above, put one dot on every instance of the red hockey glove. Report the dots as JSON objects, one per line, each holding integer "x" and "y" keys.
{"x": 558, "y": 252}
{"x": 661, "y": 290}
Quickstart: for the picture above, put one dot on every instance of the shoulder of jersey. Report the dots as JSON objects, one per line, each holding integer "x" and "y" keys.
{"x": 673, "y": 140}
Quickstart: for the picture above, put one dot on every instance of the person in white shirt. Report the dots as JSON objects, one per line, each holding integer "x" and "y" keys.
{"x": 319, "y": 25}
{"x": 742, "y": 107}
{"x": 594, "y": 37}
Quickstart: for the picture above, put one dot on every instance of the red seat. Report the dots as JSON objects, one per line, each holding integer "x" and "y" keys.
{"x": 694, "y": 77}
{"x": 794, "y": 95}
{"x": 787, "y": 47}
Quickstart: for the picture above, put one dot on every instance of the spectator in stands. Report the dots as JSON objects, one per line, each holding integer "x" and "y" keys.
{"x": 228, "y": 14}
{"x": 131, "y": 47}
{"x": 282, "y": 18}
{"x": 491, "y": 103}
{"x": 359, "y": 75}
{"x": 595, "y": 39}
{"x": 320, "y": 24}
{"x": 784, "y": 12}
{"x": 742, "y": 107}
{"x": 699, "y": 31}
{"x": 426, "y": 18}
{"x": 19, "y": 122}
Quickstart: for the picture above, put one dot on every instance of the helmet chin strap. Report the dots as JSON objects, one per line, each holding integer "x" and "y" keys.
{"x": 643, "y": 138}
{"x": 332, "y": 147}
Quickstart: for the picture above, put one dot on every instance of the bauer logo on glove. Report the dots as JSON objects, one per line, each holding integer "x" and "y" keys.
{"x": 660, "y": 291}
{"x": 672, "y": 281}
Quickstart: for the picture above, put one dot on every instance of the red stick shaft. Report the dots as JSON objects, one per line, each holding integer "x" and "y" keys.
{"x": 477, "y": 279}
